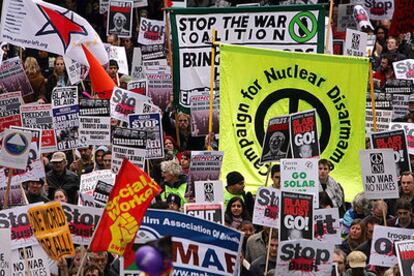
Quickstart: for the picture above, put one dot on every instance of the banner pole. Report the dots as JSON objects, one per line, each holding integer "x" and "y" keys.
{"x": 328, "y": 32}
{"x": 7, "y": 192}
{"x": 371, "y": 89}
{"x": 210, "y": 117}
{"x": 268, "y": 173}
{"x": 268, "y": 250}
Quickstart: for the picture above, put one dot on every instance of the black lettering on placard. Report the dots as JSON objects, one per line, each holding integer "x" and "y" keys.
{"x": 383, "y": 246}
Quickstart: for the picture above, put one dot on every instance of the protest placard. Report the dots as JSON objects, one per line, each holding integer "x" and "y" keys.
{"x": 118, "y": 54}
{"x": 137, "y": 70}
{"x": 74, "y": 70}
{"x": 399, "y": 86}
{"x": 102, "y": 191}
{"x": 160, "y": 87}
{"x": 304, "y": 257}
{"x": 15, "y": 149}
{"x": 382, "y": 246}
{"x": 200, "y": 114}
{"x": 94, "y": 122}
{"x": 51, "y": 229}
{"x": 355, "y": 43}
{"x": 296, "y": 216}
{"x": 384, "y": 118}
{"x": 66, "y": 125}
{"x": 379, "y": 173}
{"x": 276, "y": 142}
{"x": 151, "y": 31}
{"x": 124, "y": 102}
{"x": 404, "y": 69}
{"x": 399, "y": 106}
{"x": 215, "y": 249}
{"x": 64, "y": 96}
{"x": 204, "y": 165}
{"x": 5, "y": 251}
{"x": 129, "y": 137}
{"x": 405, "y": 255}
{"x": 267, "y": 207}
{"x": 88, "y": 201}
{"x": 396, "y": 140}
{"x": 103, "y": 6}
{"x": 151, "y": 125}
{"x": 409, "y": 131}
{"x": 300, "y": 175}
{"x": 13, "y": 78}
{"x": 10, "y": 109}
{"x": 88, "y": 181}
{"x": 120, "y": 18}
{"x": 304, "y": 138}
{"x": 382, "y": 101}
{"x": 207, "y": 211}
{"x": 345, "y": 17}
{"x": 139, "y": 86}
{"x": 15, "y": 193}
{"x": 30, "y": 259}
{"x": 17, "y": 220}
{"x": 135, "y": 155}
{"x": 82, "y": 222}
{"x": 379, "y": 9}
{"x": 327, "y": 225}
{"x": 153, "y": 52}
{"x": 209, "y": 191}
{"x": 40, "y": 116}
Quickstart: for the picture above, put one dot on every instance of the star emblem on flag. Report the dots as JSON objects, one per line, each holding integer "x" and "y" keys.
{"x": 61, "y": 25}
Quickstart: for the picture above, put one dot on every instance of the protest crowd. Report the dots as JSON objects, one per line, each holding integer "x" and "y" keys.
{"x": 150, "y": 137}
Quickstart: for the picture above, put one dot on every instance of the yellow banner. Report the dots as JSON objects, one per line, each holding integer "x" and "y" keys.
{"x": 51, "y": 229}
{"x": 259, "y": 84}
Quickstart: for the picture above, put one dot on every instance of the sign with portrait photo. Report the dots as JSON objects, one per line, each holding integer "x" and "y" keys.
{"x": 276, "y": 142}
{"x": 120, "y": 18}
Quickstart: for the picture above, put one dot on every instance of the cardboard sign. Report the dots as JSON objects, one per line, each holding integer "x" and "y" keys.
{"x": 300, "y": 175}
{"x": 382, "y": 101}
{"x": 64, "y": 96}
{"x": 379, "y": 9}
{"x": 267, "y": 207}
{"x": 118, "y": 53}
{"x": 304, "y": 138}
{"x": 379, "y": 173}
{"x": 409, "y": 130}
{"x": 160, "y": 86}
{"x": 5, "y": 251}
{"x": 13, "y": 77}
{"x": 399, "y": 106}
{"x": 404, "y": 69}
{"x": 74, "y": 70}
{"x": 382, "y": 247}
{"x": 355, "y": 43}
{"x": 124, "y": 102}
{"x": 151, "y": 31}
{"x": 396, "y": 86}
{"x": 200, "y": 113}
{"x": 138, "y": 86}
{"x": 10, "y": 109}
{"x": 405, "y": 255}
{"x": 36, "y": 261}
{"x": 396, "y": 140}
{"x": 345, "y": 17}
{"x": 88, "y": 181}
{"x": 296, "y": 216}
{"x": 327, "y": 225}
{"x": 276, "y": 141}
{"x": 135, "y": 155}
{"x": 120, "y": 18}
{"x": 207, "y": 211}
{"x": 209, "y": 191}
{"x": 384, "y": 118}
{"x": 66, "y": 125}
{"x": 94, "y": 122}
{"x": 15, "y": 149}
{"x": 51, "y": 229}
{"x": 304, "y": 257}
{"x": 137, "y": 70}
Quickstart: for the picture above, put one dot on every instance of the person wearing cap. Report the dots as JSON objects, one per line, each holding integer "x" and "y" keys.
{"x": 235, "y": 188}
{"x": 35, "y": 191}
{"x": 99, "y": 152}
{"x": 357, "y": 262}
{"x": 123, "y": 81}
{"x": 60, "y": 177}
{"x": 83, "y": 164}
{"x": 174, "y": 202}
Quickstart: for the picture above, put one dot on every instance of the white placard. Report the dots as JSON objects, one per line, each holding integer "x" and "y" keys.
{"x": 327, "y": 225}
{"x": 355, "y": 43}
{"x": 209, "y": 191}
{"x": 404, "y": 69}
{"x": 267, "y": 207}
{"x": 15, "y": 149}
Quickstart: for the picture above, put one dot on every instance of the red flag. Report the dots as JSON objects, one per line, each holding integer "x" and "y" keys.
{"x": 124, "y": 211}
{"x": 101, "y": 82}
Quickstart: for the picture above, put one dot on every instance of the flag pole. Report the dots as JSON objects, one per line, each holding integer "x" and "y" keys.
{"x": 371, "y": 89}
{"x": 7, "y": 192}
{"x": 271, "y": 229}
{"x": 328, "y": 32}
{"x": 210, "y": 117}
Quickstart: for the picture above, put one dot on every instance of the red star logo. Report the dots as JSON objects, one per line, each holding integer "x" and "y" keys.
{"x": 61, "y": 25}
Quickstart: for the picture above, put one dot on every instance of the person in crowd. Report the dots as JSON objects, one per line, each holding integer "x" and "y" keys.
{"x": 173, "y": 181}
{"x": 385, "y": 71}
{"x": 379, "y": 211}
{"x": 365, "y": 247}
{"x": 37, "y": 81}
{"x": 258, "y": 266}
{"x": 325, "y": 201}
{"x": 247, "y": 228}
{"x": 256, "y": 244}
{"x": 171, "y": 148}
{"x": 357, "y": 262}
{"x": 235, "y": 213}
{"x": 85, "y": 163}
{"x": 392, "y": 49}
{"x": 185, "y": 161}
{"x": 59, "y": 77}
{"x": 381, "y": 34}
{"x": 392, "y": 271}
{"x": 60, "y": 195}
{"x": 113, "y": 71}
{"x": 99, "y": 152}
{"x": 124, "y": 80}
{"x": 107, "y": 160}
{"x": 60, "y": 177}
{"x": 174, "y": 202}
{"x": 339, "y": 257}
{"x": 360, "y": 209}
{"x": 100, "y": 259}
{"x": 355, "y": 238}
{"x": 329, "y": 186}
{"x": 92, "y": 270}
{"x": 235, "y": 188}
{"x": 406, "y": 191}
{"x": 275, "y": 173}
{"x": 128, "y": 44}
{"x": 113, "y": 40}
{"x": 403, "y": 215}
{"x": 35, "y": 191}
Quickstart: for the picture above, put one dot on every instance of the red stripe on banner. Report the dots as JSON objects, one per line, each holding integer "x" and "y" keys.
{"x": 121, "y": 9}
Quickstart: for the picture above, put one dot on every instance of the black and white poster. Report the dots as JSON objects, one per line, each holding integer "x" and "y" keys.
{"x": 62, "y": 96}
{"x": 66, "y": 125}
{"x": 209, "y": 191}
{"x": 405, "y": 255}
{"x": 120, "y": 18}
{"x": 276, "y": 141}
{"x": 95, "y": 122}
{"x": 304, "y": 135}
{"x": 102, "y": 191}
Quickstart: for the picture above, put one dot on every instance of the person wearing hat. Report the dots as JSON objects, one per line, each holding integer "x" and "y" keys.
{"x": 235, "y": 188}
{"x": 113, "y": 71}
{"x": 99, "y": 152}
{"x": 174, "y": 202}
{"x": 357, "y": 262}
{"x": 35, "y": 191}
{"x": 60, "y": 177}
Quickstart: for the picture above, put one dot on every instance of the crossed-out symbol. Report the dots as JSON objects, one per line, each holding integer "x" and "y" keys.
{"x": 299, "y": 28}
{"x": 294, "y": 96}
